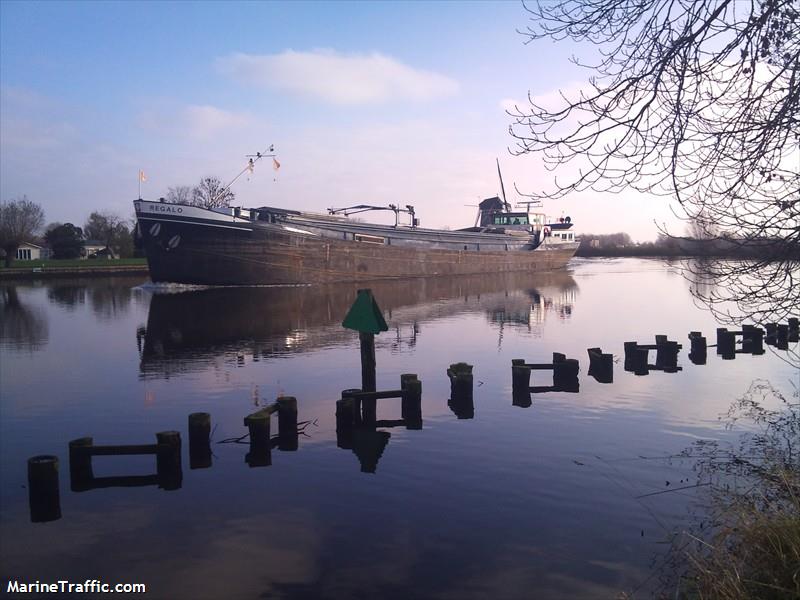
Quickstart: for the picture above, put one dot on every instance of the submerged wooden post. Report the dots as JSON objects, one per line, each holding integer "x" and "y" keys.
{"x": 260, "y": 454}
{"x": 411, "y": 402}
{"x": 636, "y": 358}
{"x": 356, "y": 404}
{"x": 199, "y": 440}
{"x": 772, "y": 333}
{"x": 345, "y": 422}
{"x": 601, "y": 366}
{"x": 520, "y": 375}
{"x": 782, "y": 340}
{"x": 726, "y": 343}
{"x": 168, "y": 460}
{"x": 80, "y": 464}
{"x": 667, "y": 356}
{"x": 460, "y": 375}
{"x": 287, "y": 423}
{"x": 43, "y": 493}
{"x": 752, "y": 340}
{"x": 698, "y": 352}
{"x": 794, "y": 329}
{"x": 565, "y": 369}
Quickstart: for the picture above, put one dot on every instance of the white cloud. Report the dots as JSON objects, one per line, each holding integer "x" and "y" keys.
{"x": 204, "y": 122}
{"x": 196, "y": 122}
{"x": 337, "y": 78}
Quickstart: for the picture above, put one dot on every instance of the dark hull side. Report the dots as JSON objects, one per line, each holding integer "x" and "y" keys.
{"x": 190, "y": 253}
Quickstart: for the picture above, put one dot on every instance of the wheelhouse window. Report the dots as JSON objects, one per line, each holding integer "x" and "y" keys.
{"x": 510, "y": 219}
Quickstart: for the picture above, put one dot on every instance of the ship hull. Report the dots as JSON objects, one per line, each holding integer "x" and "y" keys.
{"x": 189, "y": 248}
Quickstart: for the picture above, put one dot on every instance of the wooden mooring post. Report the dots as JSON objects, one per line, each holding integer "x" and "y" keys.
{"x": 565, "y": 377}
{"x": 259, "y": 427}
{"x": 357, "y": 408}
{"x": 752, "y": 342}
{"x": 793, "y": 329}
{"x": 461, "y": 390}
{"x": 601, "y": 366}
{"x": 698, "y": 351}
{"x": 637, "y": 356}
{"x": 167, "y": 449}
{"x": 44, "y": 499}
{"x": 199, "y": 440}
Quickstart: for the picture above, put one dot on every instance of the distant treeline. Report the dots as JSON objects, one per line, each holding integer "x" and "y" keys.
{"x": 620, "y": 244}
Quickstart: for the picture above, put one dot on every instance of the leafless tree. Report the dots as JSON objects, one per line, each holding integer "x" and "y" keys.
{"x": 698, "y": 100}
{"x": 210, "y": 193}
{"x": 180, "y": 194}
{"x": 20, "y": 219}
{"x": 110, "y": 229}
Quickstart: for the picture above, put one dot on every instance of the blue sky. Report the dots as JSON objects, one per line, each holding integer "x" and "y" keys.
{"x": 365, "y": 102}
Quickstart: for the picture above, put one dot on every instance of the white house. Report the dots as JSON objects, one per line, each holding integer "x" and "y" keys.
{"x": 28, "y": 251}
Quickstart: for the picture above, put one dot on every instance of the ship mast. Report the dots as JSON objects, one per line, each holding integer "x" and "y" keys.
{"x": 254, "y": 158}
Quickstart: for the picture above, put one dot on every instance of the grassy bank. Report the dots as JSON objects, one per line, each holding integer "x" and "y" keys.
{"x": 61, "y": 268}
{"x": 752, "y": 548}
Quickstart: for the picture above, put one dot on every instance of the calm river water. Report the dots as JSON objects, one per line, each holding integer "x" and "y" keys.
{"x": 552, "y": 500}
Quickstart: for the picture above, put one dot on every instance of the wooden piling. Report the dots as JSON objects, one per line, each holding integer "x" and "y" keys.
{"x": 411, "y": 402}
{"x": 793, "y": 324}
{"x": 698, "y": 352}
{"x": 287, "y": 423}
{"x": 667, "y": 356}
{"x": 565, "y": 370}
{"x": 356, "y": 402}
{"x": 345, "y": 422}
{"x": 726, "y": 344}
{"x": 168, "y": 460}
{"x": 771, "y": 333}
{"x": 199, "y": 440}
{"x": 520, "y": 375}
{"x": 43, "y": 490}
{"x": 521, "y": 397}
{"x": 636, "y": 358}
{"x": 752, "y": 340}
{"x": 601, "y": 366}
{"x": 460, "y": 375}
{"x": 80, "y": 464}
{"x": 782, "y": 340}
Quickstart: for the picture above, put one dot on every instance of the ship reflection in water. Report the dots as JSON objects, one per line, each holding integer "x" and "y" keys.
{"x": 188, "y": 331}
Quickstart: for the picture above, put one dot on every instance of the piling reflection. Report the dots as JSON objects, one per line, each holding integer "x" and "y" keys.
{"x": 565, "y": 378}
{"x": 358, "y": 426}
{"x": 187, "y": 331}
{"x": 167, "y": 450}
{"x": 43, "y": 491}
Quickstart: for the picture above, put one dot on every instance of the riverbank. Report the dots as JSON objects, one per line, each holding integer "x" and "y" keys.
{"x": 46, "y": 269}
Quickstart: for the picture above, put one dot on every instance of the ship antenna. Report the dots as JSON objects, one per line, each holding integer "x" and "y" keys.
{"x": 253, "y": 159}
{"x": 506, "y": 205}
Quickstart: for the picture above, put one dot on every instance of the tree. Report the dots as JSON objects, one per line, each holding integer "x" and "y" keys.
{"x": 66, "y": 241}
{"x": 112, "y": 231}
{"x": 210, "y": 193}
{"x": 20, "y": 219}
{"x": 695, "y": 99}
{"x": 180, "y": 194}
